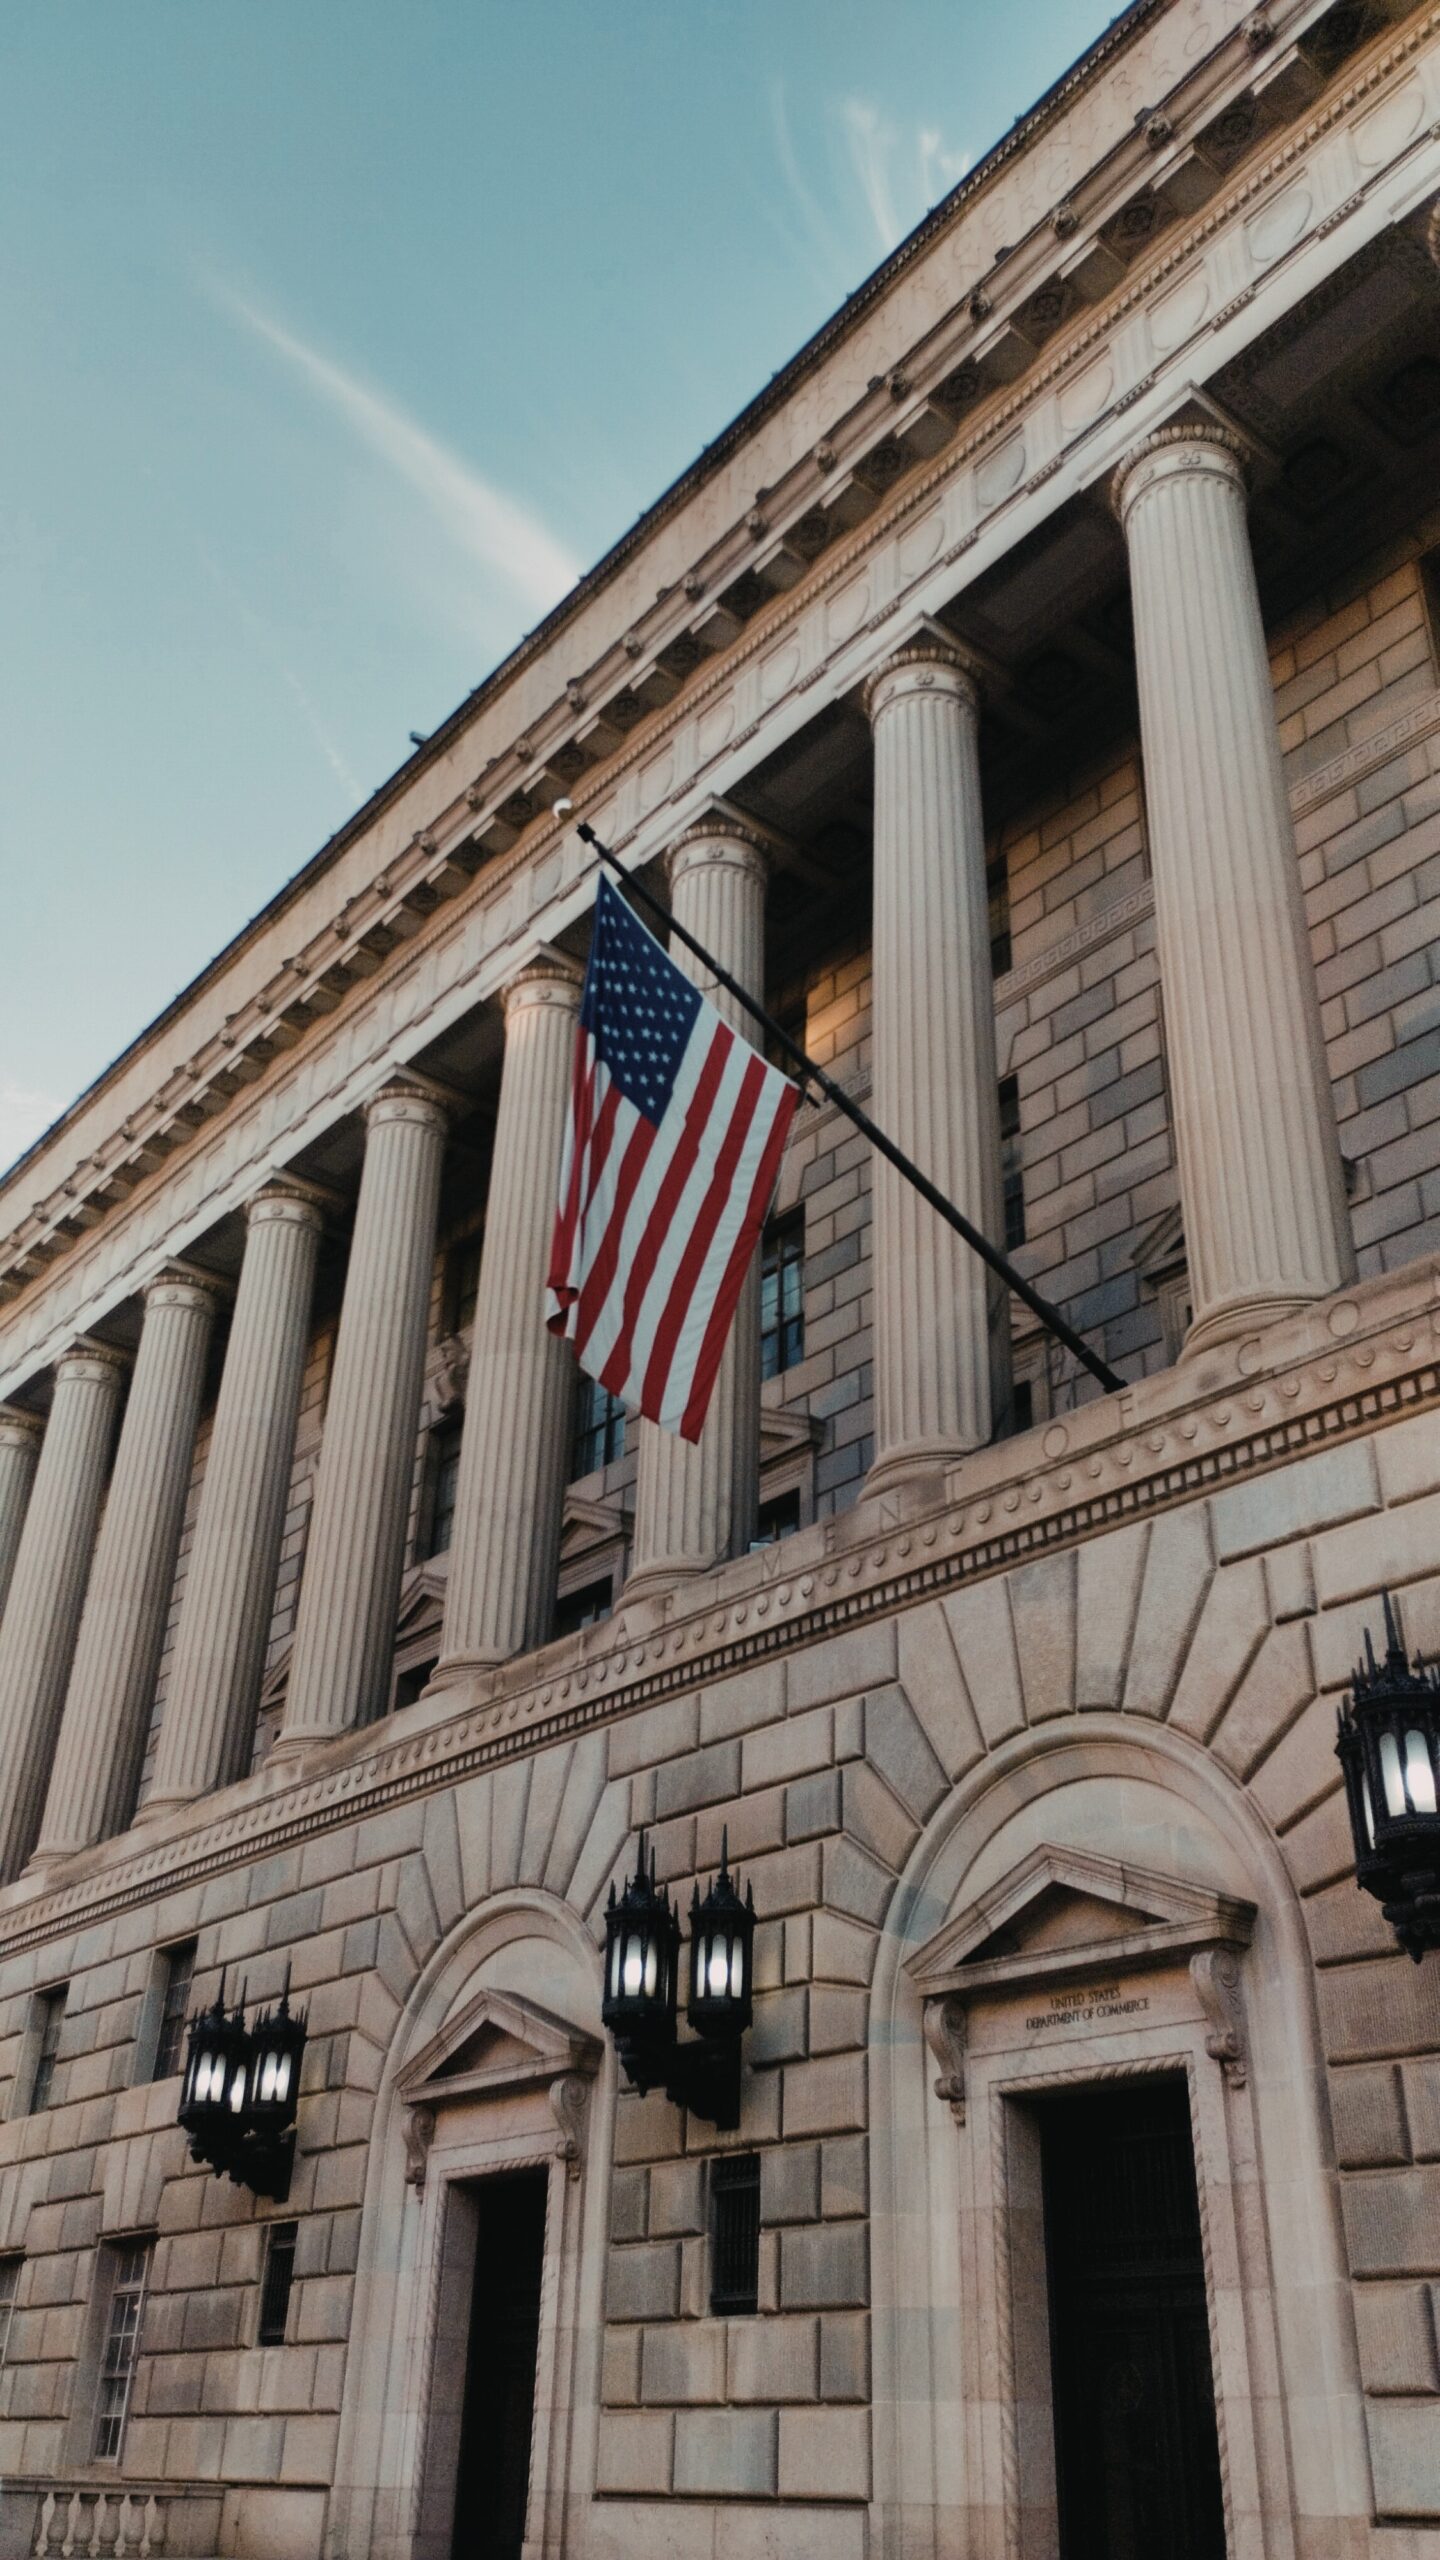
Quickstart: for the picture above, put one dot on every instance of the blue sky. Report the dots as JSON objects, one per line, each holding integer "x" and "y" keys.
{"x": 336, "y": 336}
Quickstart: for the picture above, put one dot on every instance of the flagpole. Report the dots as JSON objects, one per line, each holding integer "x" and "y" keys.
{"x": 810, "y": 1074}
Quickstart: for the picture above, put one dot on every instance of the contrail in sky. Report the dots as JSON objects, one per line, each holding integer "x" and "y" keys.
{"x": 498, "y": 532}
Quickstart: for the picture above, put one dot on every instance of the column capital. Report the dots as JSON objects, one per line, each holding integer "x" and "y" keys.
{"x": 721, "y": 837}
{"x": 19, "y": 1430}
{"x": 926, "y": 664}
{"x": 408, "y": 1096}
{"x": 547, "y": 977}
{"x": 180, "y": 1285}
{"x": 286, "y": 1200}
{"x": 96, "y": 1362}
{"x": 1203, "y": 446}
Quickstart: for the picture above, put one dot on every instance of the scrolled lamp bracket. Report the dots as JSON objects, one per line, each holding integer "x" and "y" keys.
{"x": 642, "y": 1972}
{"x": 1388, "y": 1746}
{"x": 238, "y": 2095}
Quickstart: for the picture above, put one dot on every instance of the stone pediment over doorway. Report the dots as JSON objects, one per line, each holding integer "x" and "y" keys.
{"x": 497, "y": 2045}
{"x": 1063, "y": 1915}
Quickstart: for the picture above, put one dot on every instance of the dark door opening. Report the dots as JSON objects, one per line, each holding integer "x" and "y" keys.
{"x": 492, "y": 2486}
{"x": 1136, "y": 2452}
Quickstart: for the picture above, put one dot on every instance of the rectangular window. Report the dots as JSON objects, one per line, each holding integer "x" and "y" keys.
{"x": 735, "y": 2232}
{"x": 782, "y": 1294}
{"x": 131, "y": 2260}
{"x": 778, "y": 1518}
{"x": 1012, "y": 1170}
{"x": 444, "y": 1464}
{"x": 462, "y": 1282}
{"x": 174, "y": 2009}
{"x": 599, "y": 1429}
{"x": 48, "y": 2019}
{"x": 997, "y": 884}
{"x": 9, "y": 2287}
{"x": 278, "y": 2280}
{"x": 585, "y": 1607}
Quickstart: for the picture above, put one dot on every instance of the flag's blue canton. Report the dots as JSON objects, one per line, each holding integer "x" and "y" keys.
{"x": 637, "y": 1004}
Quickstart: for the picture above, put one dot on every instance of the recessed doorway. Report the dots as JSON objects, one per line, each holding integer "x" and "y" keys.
{"x": 497, "y": 2421}
{"x": 1136, "y": 2447}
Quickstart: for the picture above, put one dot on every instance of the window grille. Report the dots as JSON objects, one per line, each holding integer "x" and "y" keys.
{"x": 462, "y": 1282}
{"x": 278, "y": 2280}
{"x": 599, "y": 1429}
{"x": 122, "y": 2340}
{"x": 782, "y": 1294}
{"x": 50, "y": 2018}
{"x": 735, "y": 2232}
{"x": 174, "y": 2009}
{"x": 9, "y": 2287}
{"x": 1012, "y": 1169}
{"x": 585, "y": 1607}
{"x": 444, "y": 1478}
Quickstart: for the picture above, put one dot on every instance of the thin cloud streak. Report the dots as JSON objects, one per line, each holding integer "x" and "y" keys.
{"x": 900, "y": 178}
{"x": 24, "y": 1113}
{"x": 258, "y": 632}
{"x": 503, "y": 536}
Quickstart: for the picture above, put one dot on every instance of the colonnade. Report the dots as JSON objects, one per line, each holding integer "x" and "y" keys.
{"x": 86, "y": 1582}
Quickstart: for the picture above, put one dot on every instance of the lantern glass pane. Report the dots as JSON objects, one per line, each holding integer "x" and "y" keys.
{"x": 737, "y": 1967}
{"x": 634, "y": 1967}
{"x": 282, "y": 2078}
{"x": 652, "y": 1968}
{"x": 718, "y": 1970}
{"x": 1391, "y": 1774}
{"x": 1369, "y": 1809}
{"x": 237, "y": 2090}
{"x": 616, "y": 1951}
{"x": 1419, "y": 1775}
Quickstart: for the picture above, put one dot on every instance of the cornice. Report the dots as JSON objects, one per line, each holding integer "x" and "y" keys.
{"x": 1337, "y": 1372}
{"x": 399, "y": 907}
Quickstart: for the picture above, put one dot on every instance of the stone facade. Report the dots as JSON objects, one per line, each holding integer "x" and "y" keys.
{"x": 1056, "y": 739}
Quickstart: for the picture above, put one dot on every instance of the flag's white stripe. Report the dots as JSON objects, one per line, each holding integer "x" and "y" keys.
{"x": 597, "y": 1205}
{"x": 680, "y": 1377}
{"x": 638, "y": 1215}
{"x": 681, "y": 1223}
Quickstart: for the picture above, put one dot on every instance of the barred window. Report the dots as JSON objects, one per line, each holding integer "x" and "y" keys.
{"x": 174, "y": 2009}
{"x": 599, "y": 1429}
{"x": 278, "y": 2279}
{"x": 462, "y": 1282}
{"x": 782, "y": 1294}
{"x": 1012, "y": 1169}
{"x": 778, "y": 1518}
{"x": 49, "y": 2019}
{"x": 126, "y": 2306}
{"x": 9, "y": 2287}
{"x": 997, "y": 885}
{"x": 735, "y": 2232}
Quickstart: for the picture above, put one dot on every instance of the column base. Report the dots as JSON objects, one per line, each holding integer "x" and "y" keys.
{"x": 158, "y": 1808}
{"x": 1237, "y": 1316}
{"x": 656, "y": 1581}
{"x": 913, "y": 1461}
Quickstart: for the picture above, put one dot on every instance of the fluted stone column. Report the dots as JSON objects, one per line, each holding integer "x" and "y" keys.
{"x": 941, "y": 1328}
{"x": 505, "y": 1543}
{"x": 345, "y": 1632}
{"x": 42, "y": 1613}
{"x": 19, "y": 1449}
{"x": 214, "y": 1684}
{"x": 122, "y": 1628}
{"x": 1261, "y": 1181}
{"x": 695, "y": 1501}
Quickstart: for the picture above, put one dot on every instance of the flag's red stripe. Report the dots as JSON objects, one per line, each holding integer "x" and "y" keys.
{"x": 596, "y": 1285}
{"x": 673, "y": 1181}
{"x": 697, "y": 1246}
{"x": 728, "y": 1293}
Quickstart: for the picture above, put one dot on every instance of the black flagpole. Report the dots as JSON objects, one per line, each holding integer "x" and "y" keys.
{"x": 810, "y": 1074}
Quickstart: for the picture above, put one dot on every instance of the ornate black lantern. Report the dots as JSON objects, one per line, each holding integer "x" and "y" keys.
{"x": 1389, "y": 1749}
{"x": 642, "y": 1972}
{"x": 238, "y": 2095}
{"x": 722, "y": 1935}
{"x": 642, "y": 1961}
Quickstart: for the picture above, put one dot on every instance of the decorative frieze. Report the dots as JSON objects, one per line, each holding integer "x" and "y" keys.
{"x": 1330, "y": 1375}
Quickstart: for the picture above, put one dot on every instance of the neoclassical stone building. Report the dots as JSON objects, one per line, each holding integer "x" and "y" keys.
{"x": 1037, "y": 694}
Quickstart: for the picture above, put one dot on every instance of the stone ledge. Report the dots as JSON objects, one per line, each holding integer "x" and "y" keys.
{"x": 1337, "y": 1371}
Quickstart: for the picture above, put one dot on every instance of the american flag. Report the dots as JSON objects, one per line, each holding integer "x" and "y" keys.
{"x": 671, "y": 1154}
